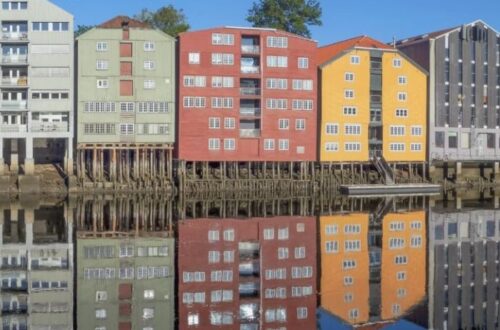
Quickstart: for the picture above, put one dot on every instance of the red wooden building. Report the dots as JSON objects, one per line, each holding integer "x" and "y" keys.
{"x": 246, "y": 94}
{"x": 242, "y": 273}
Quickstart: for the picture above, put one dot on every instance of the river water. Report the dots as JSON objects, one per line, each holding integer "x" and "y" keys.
{"x": 145, "y": 262}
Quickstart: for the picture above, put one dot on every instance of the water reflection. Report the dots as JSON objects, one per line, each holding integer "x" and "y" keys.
{"x": 145, "y": 262}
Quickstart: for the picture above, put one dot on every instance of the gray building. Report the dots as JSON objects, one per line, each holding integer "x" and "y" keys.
{"x": 36, "y": 86}
{"x": 463, "y": 269}
{"x": 464, "y": 91}
{"x": 126, "y": 103}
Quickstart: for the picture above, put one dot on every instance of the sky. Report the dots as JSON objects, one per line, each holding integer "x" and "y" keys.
{"x": 342, "y": 19}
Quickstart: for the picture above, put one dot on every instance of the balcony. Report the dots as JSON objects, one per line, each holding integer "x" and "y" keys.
{"x": 249, "y": 268}
{"x": 250, "y": 49}
{"x": 249, "y": 133}
{"x": 14, "y": 105}
{"x": 249, "y": 91}
{"x": 15, "y": 82}
{"x": 49, "y": 127}
{"x": 6, "y": 128}
{"x": 250, "y": 69}
{"x": 250, "y": 112}
{"x": 14, "y": 59}
{"x": 15, "y": 36}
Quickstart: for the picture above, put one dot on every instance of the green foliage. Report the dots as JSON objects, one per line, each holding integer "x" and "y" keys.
{"x": 81, "y": 29}
{"x": 290, "y": 15}
{"x": 170, "y": 20}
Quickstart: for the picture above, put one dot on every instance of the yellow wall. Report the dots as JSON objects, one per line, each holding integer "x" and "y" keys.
{"x": 333, "y": 85}
{"x": 332, "y": 273}
{"x": 415, "y": 268}
{"x": 333, "y": 102}
{"x": 416, "y": 103}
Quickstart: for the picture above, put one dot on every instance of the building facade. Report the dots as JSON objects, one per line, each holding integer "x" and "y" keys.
{"x": 37, "y": 85}
{"x": 247, "y": 273}
{"x": 464, "y": 95}
{"x": 126, "y": 103}
{"x": 246, "y": 94}
{"x": 373, "y": 103}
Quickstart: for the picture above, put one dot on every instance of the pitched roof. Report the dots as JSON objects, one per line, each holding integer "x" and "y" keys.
{"x": 118, "y": 22}
{"x": 326, "y": 53}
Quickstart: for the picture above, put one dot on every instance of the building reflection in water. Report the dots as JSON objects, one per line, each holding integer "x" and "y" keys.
{"x": 125, "y": 256}
{"x": 247, "y": 273}
{"x": 36, "y": 265}
{"x": 372, "y": 263}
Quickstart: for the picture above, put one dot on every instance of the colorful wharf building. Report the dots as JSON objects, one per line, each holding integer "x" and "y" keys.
{"x": 246, "y": 95}
{"x": 126, "y": 104}
{"x": 464, "y": 93}
{"x": 372, "y": 107}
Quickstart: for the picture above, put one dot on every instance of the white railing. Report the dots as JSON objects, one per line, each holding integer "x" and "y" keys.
{"x": 49, "y": 127}
{"x": 13, "y": 105}
{"x": 6, "y": 128}
{"x": 249, "y": 91}
{"x": 15, "y": 59}
{"x": 250, "y": 49}
{"x": 249, "y": 133}
{"x": 250, "y": 69}
{"x": 250, "y": 111}
{"x": 18, "y": 81}
{"x": 15, "y": 35}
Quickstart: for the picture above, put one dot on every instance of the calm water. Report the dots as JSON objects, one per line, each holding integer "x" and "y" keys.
{"x": 142, "y": 262}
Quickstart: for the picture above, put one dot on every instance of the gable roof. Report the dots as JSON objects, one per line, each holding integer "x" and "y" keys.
{"x": 118, "y": 22}
{"x": 326, "y": 53}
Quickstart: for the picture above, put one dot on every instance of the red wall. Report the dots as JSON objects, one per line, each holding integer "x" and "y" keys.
{"x": 193, "y": 131}
{"x": 193, "y": 256}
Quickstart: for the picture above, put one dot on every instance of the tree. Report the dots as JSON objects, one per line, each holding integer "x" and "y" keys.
{"x": 170, "y": 20}
{"x": 81, "y": 29}
{"x": 290, "y": 15}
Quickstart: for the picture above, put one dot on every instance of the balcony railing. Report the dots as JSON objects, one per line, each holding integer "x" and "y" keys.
{"x": 376, "y": 118}
{"x": 249, "y": 91}
{"x": 12, "y": 128}
{"x": 14, "y": 59}
{"x": 250, "y": 69}
{"x": 21, "y": 81}
{"x": 250, "y": 112}
{"x": 250, "y": 49}
{"x": 15, "y": 36}
{"x": 14, "y": 105}
{"x": 249, "y": 133}
{"x": 49, "y": 127}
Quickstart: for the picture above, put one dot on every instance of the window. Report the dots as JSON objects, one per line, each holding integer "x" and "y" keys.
{"x": 283, "y": 124}
{"x": 149, "y": 65}
{"x": 400, "y": 260}
{"x": 302, "y": 104}
{"x": 303, "y": 63}
{"x": 277, "y": 42}
{"x": 14, "y": 5}
{"x": 416, "y": 147}
{"x": 331, "y": 146}
{"x": 352, "y": 245}
{"x": 127, "y": 106}
{"x": 282, "y": 253}
{"x": 149, "y": 46}
{"x": 332, "y": 129}
{"x": 268, "y": 233}
{"x": 283, "y": 233}
{"x": 275, "y": 83}
{"x": 348, "y": 94}
{"x": 228, "y": 256}
{"x": 283, "y": 144}
{"x": 398, "y": 147}
{"x": 349, "y": 76}
{"x": 402, "y": 96}
{"x": 268, "y": 144}
{"x": 353, "y": 314}
{"x": 348, "y": 280}
{"x": 416, "y": 130}
{"x": 102, "y": 46}
{"x": 149, "y": 84}
{"x": 402, "y": 80}
{"x": 416, "y": 241}
{"x": 194, "y": 102}
{"x": 213, "y": 257}
{"x": 228, "y": 235}
{"x": 213, "y": 123}
{"x": 222, "y": 39}
{"x": 355, "y": 59}
{"x": 102, "y": 83}
{"x": 396, "y": 63}
{"x": 302, "y": 84}
{"x": 126, "y": 129}
{"x": 397, "y": 130}
{"x": 416, "y": 225}
{"x": 348, "y": 264}
{"x": 396, "y": 243}
{"x": 102, "y": 65}
{"x": 222, "y": 82}
{"x": 350, "y": 111}
{"x": 401, "y": 276}
{"x": 51, "y": 26}
{"x": 277, "y": 61}
{"x": 213, "y": 144}
{"x": 222, "y": 102}
{"x": 332, "y": 246}
{"x": 194, "y": 58}
{"x": 401, "y": 112}
{"x": 396, "y": 226}
{"x": 352, "y": 129}
{"x": 229, "y": 123}
{"x": 149, "y": 294}
{"x": 100, "y": 314}
{"x": 152, "y": 107}
{"x": 352, "y": 146}
{"x": 300, "y": 252}
{"x": 300, "y": 124}
{"x": 229, "y": 144}
{"x": 195, "y": 81}
{"x": 279, "y": 104}
{"x": 101, "y": 296}
{"x": 301, "y": 313}
{"x": 222, "y": 59}
{"x": 193, "y": 319}
{"x": 213, "y": 235}
{"x": 401, "y": 292}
